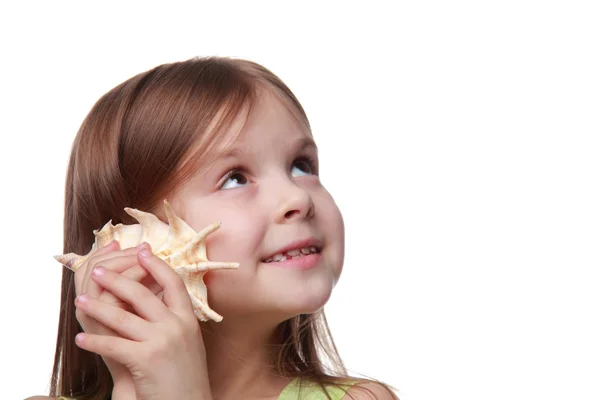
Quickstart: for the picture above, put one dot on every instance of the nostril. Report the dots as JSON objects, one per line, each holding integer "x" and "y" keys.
{"x": 290, "y": 214}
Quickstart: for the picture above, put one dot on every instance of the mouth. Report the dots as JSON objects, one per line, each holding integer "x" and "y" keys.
{"x": 293, "y": 254}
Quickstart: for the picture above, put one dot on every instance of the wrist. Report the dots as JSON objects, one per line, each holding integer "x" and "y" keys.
{"x": 123, "y": 390}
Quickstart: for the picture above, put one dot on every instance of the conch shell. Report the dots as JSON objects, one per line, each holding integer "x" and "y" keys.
{"x": 179, "y": 245}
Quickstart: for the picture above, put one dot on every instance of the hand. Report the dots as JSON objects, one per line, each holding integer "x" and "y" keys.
{"x": 119, "y": 261}
{"x": 160, "y": 344}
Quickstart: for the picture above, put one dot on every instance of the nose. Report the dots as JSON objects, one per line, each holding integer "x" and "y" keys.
{"x": 295, "y": 202}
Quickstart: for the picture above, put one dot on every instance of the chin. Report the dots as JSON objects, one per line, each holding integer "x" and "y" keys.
{"x": 307, "y": 301}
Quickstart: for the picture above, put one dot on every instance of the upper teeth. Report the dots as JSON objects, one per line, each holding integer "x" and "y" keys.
{"x": 291, "y": 253}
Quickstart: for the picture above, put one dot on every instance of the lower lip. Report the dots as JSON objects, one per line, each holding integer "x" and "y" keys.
{"x": 305, "y": 262}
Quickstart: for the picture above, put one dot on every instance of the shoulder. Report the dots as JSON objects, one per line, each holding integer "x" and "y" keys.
{"x": 369, "y": 391}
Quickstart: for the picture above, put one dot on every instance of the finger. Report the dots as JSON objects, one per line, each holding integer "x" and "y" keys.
{"x": 91, "y": 262}
{"x": 143, "y": 301}
{"x": 88, "y": 324}
{"x": 80, "y": 273}
{"x": 137, "y": 274}
{"x": 118, "y": 263}
{"x": 140, "y": 274}
{"x": 121, "y": 261}
{"x": 119, "y": 349}
{"x": 175, "y": 294}
{"x": 121, "y": 321}
{"x": 152, "y": 285}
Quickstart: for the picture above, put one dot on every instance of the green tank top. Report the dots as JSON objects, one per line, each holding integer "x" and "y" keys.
{"x": 297, "y": 390}
{"x": 311, "y": 391}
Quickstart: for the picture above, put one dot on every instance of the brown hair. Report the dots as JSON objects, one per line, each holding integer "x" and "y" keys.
{"x": 142, "y": 140}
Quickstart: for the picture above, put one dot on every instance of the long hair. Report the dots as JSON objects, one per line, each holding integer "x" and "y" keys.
{"x": 140, "y": 141}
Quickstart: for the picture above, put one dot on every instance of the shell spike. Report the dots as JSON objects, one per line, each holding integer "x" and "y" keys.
{"x": 205, "y": 266}
{"x": 197, "y": 245}
{"x": 105, "y": 235}
{"x": 152, "y": 227}
{"x": 207, "y": 231}
{"x": 177, "y": 226}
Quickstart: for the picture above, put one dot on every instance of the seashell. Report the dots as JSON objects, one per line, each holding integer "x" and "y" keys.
{"x": 176, "y": 243}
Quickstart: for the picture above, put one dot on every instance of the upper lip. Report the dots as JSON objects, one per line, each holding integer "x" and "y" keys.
{"x": 298, "y": 244}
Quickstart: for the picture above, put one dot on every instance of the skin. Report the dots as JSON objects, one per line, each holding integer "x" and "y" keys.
{"x": 273, "y": 199}
{"x": 276, "y": 198}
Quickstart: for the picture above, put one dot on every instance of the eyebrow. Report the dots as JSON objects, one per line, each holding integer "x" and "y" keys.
{"x": 298, "y": 145}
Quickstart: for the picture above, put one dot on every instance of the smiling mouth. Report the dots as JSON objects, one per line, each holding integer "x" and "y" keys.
{"x": 292, "y": 254}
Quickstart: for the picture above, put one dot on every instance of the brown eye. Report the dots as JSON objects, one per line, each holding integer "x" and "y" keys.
{"x": 234, "y": 179}
{"x": 305, "y": 166}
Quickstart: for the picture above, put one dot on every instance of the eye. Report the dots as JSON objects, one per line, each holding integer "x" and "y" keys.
{"x": 305, "y": 166}
{"x": 233, "y": 179}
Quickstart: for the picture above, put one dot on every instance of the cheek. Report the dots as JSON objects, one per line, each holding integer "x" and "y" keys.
{"x": 332, "y": 217}
{"x": 333, "y": 222}
{"x": 238, "y": 239}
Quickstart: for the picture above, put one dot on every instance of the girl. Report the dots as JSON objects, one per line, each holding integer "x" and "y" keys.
{"x": 222, "y": 140}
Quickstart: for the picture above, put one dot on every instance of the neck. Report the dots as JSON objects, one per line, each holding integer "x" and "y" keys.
{"x": 241, "y": 357}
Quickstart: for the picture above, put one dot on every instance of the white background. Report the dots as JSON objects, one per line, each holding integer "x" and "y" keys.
{"x": 460, "y": 139}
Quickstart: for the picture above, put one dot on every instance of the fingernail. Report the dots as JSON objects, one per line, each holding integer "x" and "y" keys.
{"x": 145, "y": 253}
{"x": 82, "y": 298}
{"x": 98, "y": 271}
{"x": 79, "y": 337}
{"x": 142, "y": 245}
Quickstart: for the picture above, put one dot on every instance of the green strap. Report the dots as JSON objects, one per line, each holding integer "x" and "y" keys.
{"x": 306, "y": 390}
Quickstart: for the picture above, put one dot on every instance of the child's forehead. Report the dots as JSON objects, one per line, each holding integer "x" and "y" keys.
{"x": 236, "y": 146}
{"x": 251, "y": 123}
{"x": 231, "y": 138}
{"x": 269, "y": 98}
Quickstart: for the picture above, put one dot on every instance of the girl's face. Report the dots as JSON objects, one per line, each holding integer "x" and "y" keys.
{"x": 267, "y": 194}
